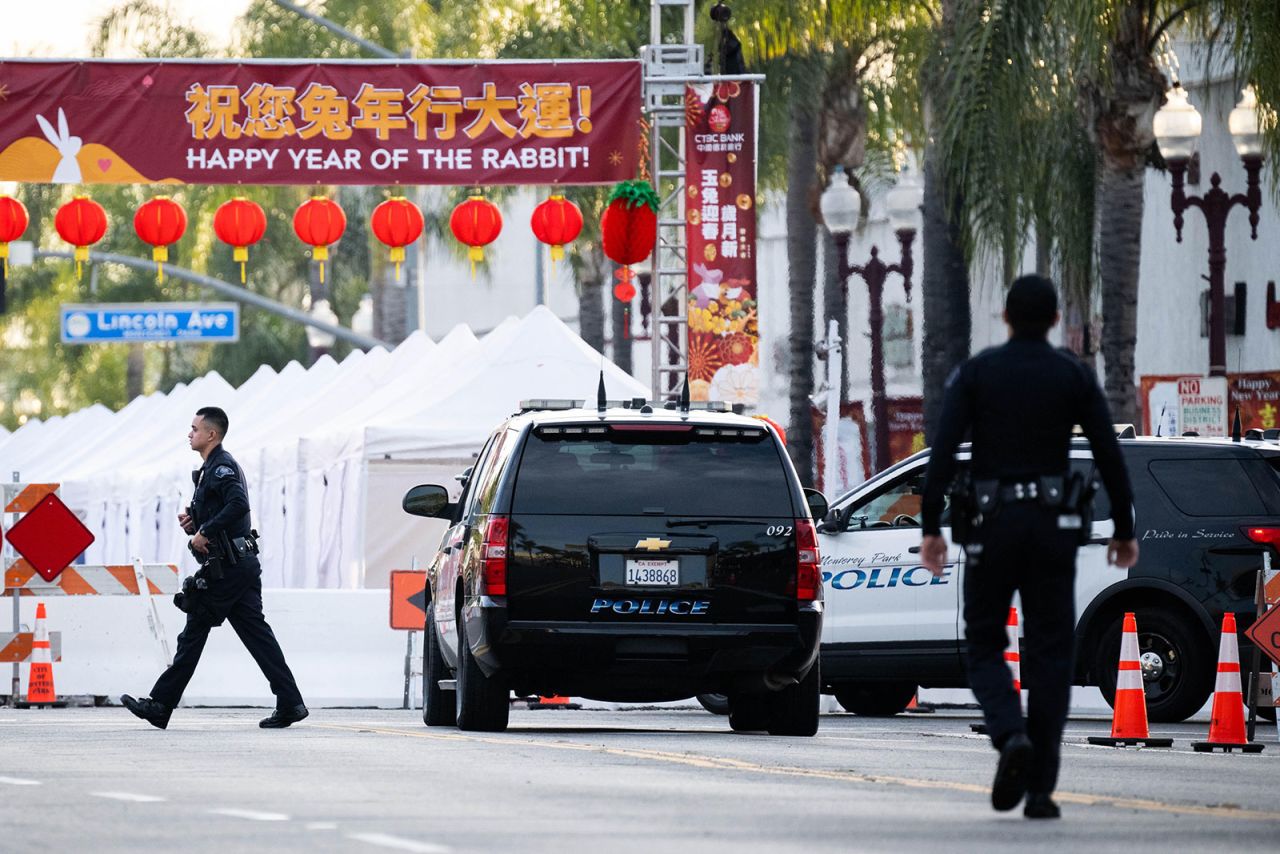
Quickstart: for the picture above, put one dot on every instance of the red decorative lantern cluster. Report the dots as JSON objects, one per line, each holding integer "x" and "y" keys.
{"x": 81, "y": 222}
{"x": 160, "y": 222}
{"x": 240, "y": 223}
{"x": 319, "y": 221}
{"x": 397, "y": 222}
{"x": 556, "y": 221}
{"x": 13, "y": 223}
{"x": 477, "y": 222}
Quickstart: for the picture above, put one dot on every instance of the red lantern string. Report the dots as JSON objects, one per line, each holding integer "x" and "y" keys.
{"x": 240, "y": 223}
{"x": 160, "y": 222}
{"x": 13, "y": 223}
{"x": 81, "y": 222}
{"x": 319, "y": 222}
{"x": 556, "y": 221}
{"x": 397, "y": 222}
{"x": 476, "y": 222}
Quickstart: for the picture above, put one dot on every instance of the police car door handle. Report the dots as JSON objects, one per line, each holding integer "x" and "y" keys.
{"x": 915, "y": 550}
{"x": 1098, "y": 541}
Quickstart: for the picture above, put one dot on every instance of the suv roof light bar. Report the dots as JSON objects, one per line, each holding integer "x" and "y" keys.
{"x": 555, "y": 404}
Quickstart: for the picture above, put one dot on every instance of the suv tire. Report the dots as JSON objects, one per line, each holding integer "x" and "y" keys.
{"x": 875, "y": 699}
{"x": 483, "y": 702}
{"x": 1181, "y": 655}
{"x": 748, "y": 713}
{"x": 716, "y": 704}
{"x": 794, "y": 710}
{"x": 438, "y": 708}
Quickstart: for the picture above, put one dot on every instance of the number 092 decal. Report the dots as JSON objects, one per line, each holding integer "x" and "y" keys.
{"x": 779, "y": 530}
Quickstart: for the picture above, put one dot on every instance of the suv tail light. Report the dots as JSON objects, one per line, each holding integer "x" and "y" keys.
{"x": 808, "y": 572}
{"x": 493, "y": 556}
{"x": 1264, "y": 536}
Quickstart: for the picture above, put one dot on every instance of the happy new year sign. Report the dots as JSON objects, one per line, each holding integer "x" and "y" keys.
{"x": 319, "y": 123}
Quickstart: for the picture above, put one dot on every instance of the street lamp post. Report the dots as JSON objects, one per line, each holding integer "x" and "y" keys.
{"x": 1177, "y": 129}
{"x": 319, "y": 340}
{"x": 841, "y": 206}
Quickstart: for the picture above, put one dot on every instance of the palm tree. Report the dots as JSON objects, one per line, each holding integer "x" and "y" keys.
{"x": 1049, "y": 123}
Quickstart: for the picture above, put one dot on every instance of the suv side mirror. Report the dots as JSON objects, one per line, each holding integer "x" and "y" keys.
{"x": 818, "y": 506}
{"x": 428, "y": 500}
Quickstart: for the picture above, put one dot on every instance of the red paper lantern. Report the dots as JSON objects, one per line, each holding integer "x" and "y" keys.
{"x": 624, "y": 291}
{"x": 160, "y": 222}
{"x": 13, "y": 222}
{"x": 240, "y": 223}
{"x": 81, "y": 222}
{"x": 476, "y": 222}
{"x": 319, "y": 222}
{"x": 397, "y": 222}
{"x": 629, "y": 226}
{"x": 556, "y": 221}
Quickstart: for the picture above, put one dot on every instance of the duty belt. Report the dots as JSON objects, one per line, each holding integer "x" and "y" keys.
{"x": 1047, "y": 490}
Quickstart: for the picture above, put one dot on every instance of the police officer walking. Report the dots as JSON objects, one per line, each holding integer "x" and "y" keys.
{"x": 1025, "y": 515}
{"x": 227, "y": 587}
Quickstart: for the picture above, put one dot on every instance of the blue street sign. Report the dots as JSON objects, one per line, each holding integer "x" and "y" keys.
{"x": 105, "y": 323}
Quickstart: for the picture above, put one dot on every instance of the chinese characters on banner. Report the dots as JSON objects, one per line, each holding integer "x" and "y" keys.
{"x": 320, "y": 123}
{"x": 720, "y": 224}
{"x": 1256, "y": 394}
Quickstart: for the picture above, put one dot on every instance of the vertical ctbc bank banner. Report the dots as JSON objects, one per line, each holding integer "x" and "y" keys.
{"x": 720, "y": 223}
{"x": 564, "y": 122}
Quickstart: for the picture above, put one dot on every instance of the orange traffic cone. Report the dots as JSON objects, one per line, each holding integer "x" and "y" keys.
{"x": 1226, "y": 725}
{"x": 555, "y": 701}
{"x": 40, "y": 683}
{"x": 1013, "y": 652}
{"x": 1129, "y": 723}
{"x": 1012, "y": 657}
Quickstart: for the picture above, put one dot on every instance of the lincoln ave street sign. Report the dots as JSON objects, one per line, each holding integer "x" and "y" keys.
{"x": 104, "y": 323}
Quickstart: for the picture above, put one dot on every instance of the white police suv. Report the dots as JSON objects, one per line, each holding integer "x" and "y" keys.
{"x": 1206, "y": 511}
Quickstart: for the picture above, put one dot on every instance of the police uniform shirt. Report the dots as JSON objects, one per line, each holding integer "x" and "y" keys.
{"x": 1020, "y": 402}
{"x": 221, "y": 501}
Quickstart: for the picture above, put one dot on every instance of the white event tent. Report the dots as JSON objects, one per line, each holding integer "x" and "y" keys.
{"x": 328, "y": 451}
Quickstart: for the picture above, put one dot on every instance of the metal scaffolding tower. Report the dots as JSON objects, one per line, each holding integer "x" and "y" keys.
{"x": 670, "y": 67}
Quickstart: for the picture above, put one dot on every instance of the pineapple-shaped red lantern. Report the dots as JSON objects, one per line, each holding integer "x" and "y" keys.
{"x": 160, "y": 222}
{"x": 397, "y": 222}
{"x": 240, "y": 223}
{"x": 81, "y": 222}
{"x": 319, "y": 221}
{"x": 477, "y": 222}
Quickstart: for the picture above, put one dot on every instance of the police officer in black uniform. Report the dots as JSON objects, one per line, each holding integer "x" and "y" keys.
{"x": 227, "y": 587}
{"x": 1027, "y": 514}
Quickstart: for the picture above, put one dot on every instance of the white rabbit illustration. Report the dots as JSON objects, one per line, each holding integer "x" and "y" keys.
{"x": 68, "y": 171}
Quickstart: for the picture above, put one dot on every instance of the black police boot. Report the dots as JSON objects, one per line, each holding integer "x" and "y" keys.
{"x": 1011, "y": 772}
{"x": 152, "y": 711}
{"x": 1040, "y": 805}
{"x": 281, "y": 718}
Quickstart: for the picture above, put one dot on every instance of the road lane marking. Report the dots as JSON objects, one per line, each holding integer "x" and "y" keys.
{"x": 386, "y": 840}
{"x": 251, "y": 815}
{"x": 129, "y": 796}
{"x": 18, "y": 781}
{"x": 722, "y": 763}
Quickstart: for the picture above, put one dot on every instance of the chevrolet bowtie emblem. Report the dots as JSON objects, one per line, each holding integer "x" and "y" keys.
{"x": 653, "y": 544}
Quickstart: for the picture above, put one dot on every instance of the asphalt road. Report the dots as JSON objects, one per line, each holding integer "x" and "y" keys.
{"x": 592, "y": 780}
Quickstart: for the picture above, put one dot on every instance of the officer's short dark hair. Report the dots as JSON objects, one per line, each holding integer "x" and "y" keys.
{"x": 1031, "y": 305}
{"x": 216, "y": 418}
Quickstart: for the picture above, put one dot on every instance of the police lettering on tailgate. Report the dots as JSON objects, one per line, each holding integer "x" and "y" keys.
{"x": 678, "y": 607}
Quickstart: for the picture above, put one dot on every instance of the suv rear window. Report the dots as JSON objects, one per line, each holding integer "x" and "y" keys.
{"x": 633, "y": 472}
{"x": 1218, "y": 487}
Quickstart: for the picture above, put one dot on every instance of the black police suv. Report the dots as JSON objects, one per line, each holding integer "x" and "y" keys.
{"x": 626, "y": 553}
{"x": 1206, "y": 511}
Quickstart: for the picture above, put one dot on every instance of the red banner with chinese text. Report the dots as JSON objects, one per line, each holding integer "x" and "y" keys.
{"x": 304, "y": 123}
{"x": 720, "y": 233}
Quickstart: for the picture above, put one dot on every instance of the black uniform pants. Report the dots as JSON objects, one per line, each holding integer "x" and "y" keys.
{"x": 1023, "y": 549}
{"x": 238, "y": 597}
